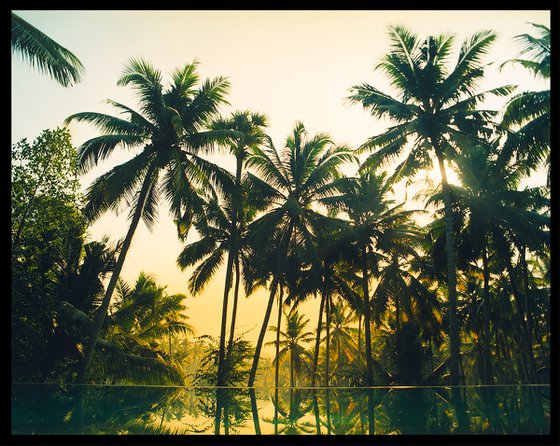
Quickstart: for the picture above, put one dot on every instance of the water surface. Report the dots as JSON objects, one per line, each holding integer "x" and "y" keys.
{"x": 152, "y": 410}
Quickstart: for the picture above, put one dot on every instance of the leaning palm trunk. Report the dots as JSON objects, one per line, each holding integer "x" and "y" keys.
{"x": 318, "y": 340}
{"x": 367, "y": 318}
{"x": 278, "y": 323}
{"x": 255, "y": 412}
{"x": 488, "y": 375}
{"x": 260, "y": 340}
{"x": 454, "y": 341}
{"x": 273, "y": 288}
{"x": 102, "y": 311}
{"x": 221, "y": 354}
{"x": 234, "y": 310}
{"x": 232, "y": 254}
{"x": 527, "y": 346}
{"x": 328, "y": 341}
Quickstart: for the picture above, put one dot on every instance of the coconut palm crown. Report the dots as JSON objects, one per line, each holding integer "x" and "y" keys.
{"x": 436, "y": 109}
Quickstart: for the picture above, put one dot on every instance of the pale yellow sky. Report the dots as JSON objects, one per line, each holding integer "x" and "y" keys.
{"x": 291, "y": 65}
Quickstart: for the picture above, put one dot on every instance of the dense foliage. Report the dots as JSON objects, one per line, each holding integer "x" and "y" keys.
{"x": 461, "y": 299}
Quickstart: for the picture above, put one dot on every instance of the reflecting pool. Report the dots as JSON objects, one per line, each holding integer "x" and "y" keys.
{"x": 154, "y": 410}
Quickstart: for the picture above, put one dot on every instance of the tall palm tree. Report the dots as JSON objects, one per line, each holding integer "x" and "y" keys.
{"x": 291, "y": 181}
{"x": 214, "y": 227}
{"x": 327, "y": 270}
{"x": 291, "y": 343}
{"x": 247, "y": 133}
{"x": 44, "y": 53}
{"x": 488, "y": 207}
{"x": 364, "y": 199}
{"x": 171, "y": 130}
{"x": 342, "y": 334}
{"x": 436, "y": 111}
{"x": 527, "y": 114}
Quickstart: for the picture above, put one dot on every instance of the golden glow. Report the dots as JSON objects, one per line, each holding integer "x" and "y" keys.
{"x": 291, "y": 65}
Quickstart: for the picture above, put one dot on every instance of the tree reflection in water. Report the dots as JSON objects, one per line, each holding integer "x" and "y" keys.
{"x": 135, "y": 410}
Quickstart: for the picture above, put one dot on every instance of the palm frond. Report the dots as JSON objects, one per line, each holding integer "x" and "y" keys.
{"x": 196, "y": 251}
{"x": 96, "y": 149}
{"x": 42, "y": 52}
{"x": 120, "y": 183}
{"x": 381, "y": 104}
{"x": 206, "y": 270}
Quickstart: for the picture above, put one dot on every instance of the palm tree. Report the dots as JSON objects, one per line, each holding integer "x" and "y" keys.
{"x": 170, "y": 129}
{"x": 327, "y": 270}
{"x": 291, "y": 181}
{"x": 214, "y": 226}
{"x": 364, "y": 199}
{"x": 435, "y": 110}
{"x": 134, "y": 338}
{"x": 44, "y": 53}
{"x": 249, "y": 133}
{"x": 489, "y": 207}
{"x": 529, "y": 112}
{"x": 131, "y": 344}
{"x": 291, "y": 343}
{"x": 78, "y": 278}
{"x": 342, "y": 334}
{"x": 291, "y": 414}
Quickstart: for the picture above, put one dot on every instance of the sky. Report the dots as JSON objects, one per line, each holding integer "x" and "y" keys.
{"x": 291, "y": 65}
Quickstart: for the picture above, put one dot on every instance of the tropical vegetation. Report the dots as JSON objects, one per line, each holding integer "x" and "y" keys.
{"x": 450, "y": 288}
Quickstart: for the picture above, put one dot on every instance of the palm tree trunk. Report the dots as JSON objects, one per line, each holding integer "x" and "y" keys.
{"x": 367, "y": 317}
{"x": 316, "y": 412}
{"x": 276, "y": 402}
{"x": 488, "y": 375}
{"x": 339, "y": 357}
{"x": 226, "y": 419}
{"x": 260, "y": 340}
{"x": 507, "y": 354}
{"x": 328, "y": 405}
{"x": 528, "y": 314}
{"x": 218, "y": 417}
{"x": 398, "y": 312}
{"x": 102, "y": 311}
{"x": 526, "y": 348}
{"x": 318, "y": 340}
{"x": 278, "y": 323}
{"x": 221, "y": 353}
{"x": 454, "y": 340}
{"x": 367, "y": 329}
{"x": 232, "y": 254}
{"x": 327, "y": 351}
{"x": 170, "y": 351}
{"x": 234, "y": 311}
{"x": 280, "y": 264}
{"x": 292, "y": 369}
{"x": 371, "y": 411}
{"x": 359, "y": 352}
{"x": 255, "y": 412}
